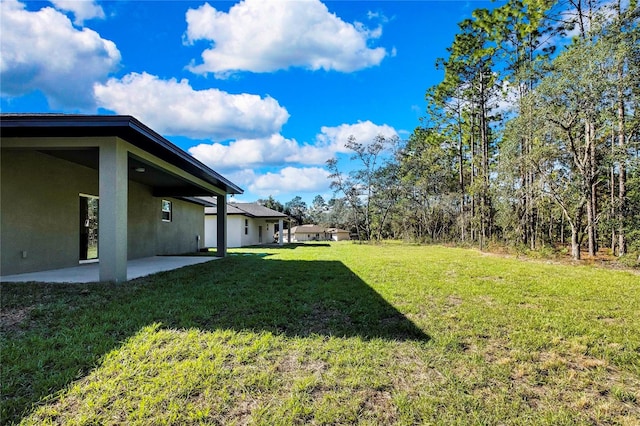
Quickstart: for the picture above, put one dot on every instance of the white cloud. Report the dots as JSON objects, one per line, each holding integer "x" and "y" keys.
{"x": 288, "y": 180}
{"x": 331, "y": 141}
{"x": 363, "y": 131}
{"x": 276, "y": 149}
{"x": 265, "y": 36}
{"x": 42, "y": 50}
{"x": 82, "y": 9}
{"x": 246, "y": 152}
{"x": 174, "y": 108}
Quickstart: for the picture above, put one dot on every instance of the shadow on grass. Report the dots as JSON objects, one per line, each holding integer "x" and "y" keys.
{"x": 291, "y": 246}
{"x": 274, "y": 246}
{"x": 53, "y": 334}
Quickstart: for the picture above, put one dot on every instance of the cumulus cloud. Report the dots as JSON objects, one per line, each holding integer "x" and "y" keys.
{"x": 82, "y": 9}
{"x": 246, "y": 152}
{"x": 42, "y": 50}
{"x": 276, "y": 149}
{"x": 265, "y": 36}
{"x": 173, "y": 107}
{"x": 331, "y": 141}
{"x": 363, "y": 131}
{"x": 286, "y": 180}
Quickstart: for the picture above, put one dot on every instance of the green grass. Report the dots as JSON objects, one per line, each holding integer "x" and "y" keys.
{"x": 329, "y": 334}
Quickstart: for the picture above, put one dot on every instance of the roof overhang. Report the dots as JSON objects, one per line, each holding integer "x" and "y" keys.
{"x": 128, "y": 129}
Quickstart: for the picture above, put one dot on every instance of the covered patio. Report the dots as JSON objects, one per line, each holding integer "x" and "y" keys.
{"x": 90, "y": 272}
{"x": 82, "y": 187}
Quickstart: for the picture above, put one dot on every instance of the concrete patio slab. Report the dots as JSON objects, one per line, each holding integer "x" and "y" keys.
{"x": 89, "y": 272}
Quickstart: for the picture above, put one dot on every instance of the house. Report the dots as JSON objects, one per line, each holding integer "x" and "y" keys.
{"x": 247, "y": 224}
{"x": 78, "y": 188}
{"x": 316, "y": 233}
{"x": 338, "y": 234}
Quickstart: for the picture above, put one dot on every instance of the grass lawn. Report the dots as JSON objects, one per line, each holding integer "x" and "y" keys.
{"x": 329, "y": 334}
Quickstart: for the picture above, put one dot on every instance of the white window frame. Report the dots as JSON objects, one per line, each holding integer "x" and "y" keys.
{"x": 168, "y": 210}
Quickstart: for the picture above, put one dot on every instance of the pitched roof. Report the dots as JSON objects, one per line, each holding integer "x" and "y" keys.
{"x": 308, "y": 229}
{"x": 256, "y": 210}
{"x": 124, "y": 126}
{"x": 231, "y": 209}
{"x": 246, "y": 209}
{"x": 336, "y": 231}
{"x": 316, "y": 229}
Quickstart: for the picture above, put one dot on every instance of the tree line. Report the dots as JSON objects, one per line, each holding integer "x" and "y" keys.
{"x": 531, "y": 139}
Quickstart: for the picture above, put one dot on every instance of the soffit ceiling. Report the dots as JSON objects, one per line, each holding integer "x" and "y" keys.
{"x": 161, "y": 181}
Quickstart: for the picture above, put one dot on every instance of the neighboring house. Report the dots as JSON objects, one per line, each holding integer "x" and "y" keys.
{"x": 316, "y": 233}
{"x": 338, "y": 234}
{"x": 88, "y": 187}
{"x": 248, "y": 224}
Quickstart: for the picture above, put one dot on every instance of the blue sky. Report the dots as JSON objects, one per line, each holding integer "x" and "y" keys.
{"x": 262, "y": 91}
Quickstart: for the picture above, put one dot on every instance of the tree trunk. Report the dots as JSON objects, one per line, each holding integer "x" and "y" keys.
{"x": 461, "y": 176}
{"x": 590, "y": 144}
{"x": 612, "y": 210}
{"x": 484, "y": 141}
{"x": 575, "y": 244}
{"x": 622, "y": 175}
{"x": 472, "y": 142}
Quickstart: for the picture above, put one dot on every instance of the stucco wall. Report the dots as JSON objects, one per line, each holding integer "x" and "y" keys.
{"x": 179, "y": 235}
{"x": 253, "y": 235}
{"x": 340, "y": 236}
{"x": 149, "y": 236}
{"x": 39, "y": 214}
{"x": 246, "y": 226}
{"x": 143, "y": 212}
{"x": 39, "y": 197}
{"x": 235, "y": 230}
{"x": 304, "y": 236}
{"x": 211, "y": 231}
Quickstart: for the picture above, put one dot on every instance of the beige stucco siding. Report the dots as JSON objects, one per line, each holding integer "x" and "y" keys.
{"x": 340, "y": 236}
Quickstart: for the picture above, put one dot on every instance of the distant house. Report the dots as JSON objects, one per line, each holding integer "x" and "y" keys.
{"x": 78, "y": 188}
{"x": 247, "y": 224}
{"x": 316, "y": 233}
{"x": 338, "y": 234}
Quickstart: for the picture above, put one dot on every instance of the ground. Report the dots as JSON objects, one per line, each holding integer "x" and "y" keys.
{"x": 335, "y": 333}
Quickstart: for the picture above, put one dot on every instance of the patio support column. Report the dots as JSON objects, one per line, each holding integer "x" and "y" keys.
{"x": 221, "y": 219}
{"x": 112, "y": 214}
{"x": 289, "y": 231}
{"x": 281, "y": 233}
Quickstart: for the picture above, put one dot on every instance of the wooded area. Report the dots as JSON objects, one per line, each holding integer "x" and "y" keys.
{"x": 532, "y": 139}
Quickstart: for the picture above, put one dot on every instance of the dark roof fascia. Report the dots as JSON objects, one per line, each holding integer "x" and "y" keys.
{"x": 254, "y": 215}
{"x": 231, "y": 210}
{"x": 239, "y": 210}
{"x": 243, "y": 213}
{"x": 123, "y": 126}
{"x": 196, "y": 200}
{"x": 249, "y": 215}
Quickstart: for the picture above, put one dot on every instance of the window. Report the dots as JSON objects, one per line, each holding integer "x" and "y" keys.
{"x": 246, "y": 227}
{"x": 166, "y": 211}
